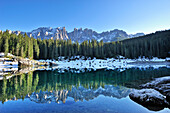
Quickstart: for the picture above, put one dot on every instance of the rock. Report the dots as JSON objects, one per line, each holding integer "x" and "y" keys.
{"x": 79, "y": 35}
{"x": 149, "y": 98}
{"x": 14, "y": 98}
{"x": 160, "y": 84}
{"x": 157, "y": 82}
{"x": 163, "y": 88}
{"x": 168, "y": 97}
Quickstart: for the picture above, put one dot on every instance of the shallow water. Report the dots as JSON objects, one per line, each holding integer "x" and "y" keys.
{"x": 91, "y": 91}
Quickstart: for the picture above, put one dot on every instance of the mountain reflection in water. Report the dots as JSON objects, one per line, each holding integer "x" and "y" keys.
{"x": 79, "y": 93}
{"x": 51, "y": 86}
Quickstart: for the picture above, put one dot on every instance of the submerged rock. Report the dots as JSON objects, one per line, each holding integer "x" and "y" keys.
{"x": 149, "y": 98}
{"x": 156, "y": 97}
{"x": 168, "y": 97}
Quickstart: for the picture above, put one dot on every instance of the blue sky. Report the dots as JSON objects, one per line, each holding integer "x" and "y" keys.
{"x": 100, "y": 15}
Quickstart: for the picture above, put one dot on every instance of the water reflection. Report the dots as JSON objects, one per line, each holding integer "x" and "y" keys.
{"x": 79, "y": 93}
{"x": 51, "y": 86}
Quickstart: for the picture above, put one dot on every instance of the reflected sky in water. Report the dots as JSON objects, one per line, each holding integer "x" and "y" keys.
{"x": 94, "y": 91}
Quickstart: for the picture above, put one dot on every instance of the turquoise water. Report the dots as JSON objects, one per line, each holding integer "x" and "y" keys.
{"x": 99, "y": 91}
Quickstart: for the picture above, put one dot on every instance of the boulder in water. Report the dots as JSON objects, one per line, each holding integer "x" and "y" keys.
{"x": 149, "y": 98}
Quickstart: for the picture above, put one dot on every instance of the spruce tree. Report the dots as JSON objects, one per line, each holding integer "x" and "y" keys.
{"x": 6, "y": 47}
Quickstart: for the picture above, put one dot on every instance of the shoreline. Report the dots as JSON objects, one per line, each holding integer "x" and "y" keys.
{"x": 15, "y": 65}
{"x": 64, "y": 67}
{"x": 151, "y": 62}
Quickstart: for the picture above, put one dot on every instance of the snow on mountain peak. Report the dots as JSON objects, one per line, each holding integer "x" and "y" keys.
{"x": 79, "y": 35}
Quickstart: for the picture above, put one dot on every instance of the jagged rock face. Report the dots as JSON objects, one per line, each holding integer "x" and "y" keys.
{"x": 79, "y": 35}
{"x": 88, "y": 34}
{"x": 82, "y": 35}
{"x": 114, "y": 35}
{"x": 48, "y": 33}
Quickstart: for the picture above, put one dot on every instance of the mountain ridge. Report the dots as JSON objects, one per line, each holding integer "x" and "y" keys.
{"x": 79, "y": 35}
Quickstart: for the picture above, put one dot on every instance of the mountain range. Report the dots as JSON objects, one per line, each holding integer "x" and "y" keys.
{"x": 79, "y": 35}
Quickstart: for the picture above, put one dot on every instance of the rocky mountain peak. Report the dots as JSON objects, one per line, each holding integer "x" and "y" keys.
{"x": 75, "y": 29}
{"x": 79, "y": 35}
{"x": 136, "y": 35}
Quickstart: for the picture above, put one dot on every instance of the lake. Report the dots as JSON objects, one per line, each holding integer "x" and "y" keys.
{"x": 91, "y": 91}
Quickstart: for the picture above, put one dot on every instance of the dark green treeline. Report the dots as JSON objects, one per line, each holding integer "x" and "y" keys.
{"x": 157, "y": 44}
{"x": 20, "y": 86}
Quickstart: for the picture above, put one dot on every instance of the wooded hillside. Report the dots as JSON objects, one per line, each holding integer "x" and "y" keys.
{"x": 155, "y": 44}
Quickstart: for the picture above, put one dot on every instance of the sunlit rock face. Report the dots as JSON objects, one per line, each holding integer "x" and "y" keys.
{"x": 88, "y": 34}
{"x": 81, "y": 35}
{"x": 78, "y": 35}
{"x": 79, "y": 94}
{"x": 47, "y": 33}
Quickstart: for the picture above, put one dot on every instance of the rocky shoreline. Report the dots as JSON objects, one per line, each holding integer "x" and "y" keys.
{"x": 155, "y": 95}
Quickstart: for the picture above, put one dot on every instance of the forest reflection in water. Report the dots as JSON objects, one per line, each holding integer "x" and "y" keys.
{"x": 51, "y": 86}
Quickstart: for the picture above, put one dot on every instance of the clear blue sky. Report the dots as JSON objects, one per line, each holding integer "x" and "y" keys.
{"x": 100, "y": 15}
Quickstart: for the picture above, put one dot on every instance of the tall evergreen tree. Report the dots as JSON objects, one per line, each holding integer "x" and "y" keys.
{"x": 6, "y": 47}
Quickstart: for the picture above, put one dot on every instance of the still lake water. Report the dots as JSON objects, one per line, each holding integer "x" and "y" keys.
{"x": 99, "y": 91}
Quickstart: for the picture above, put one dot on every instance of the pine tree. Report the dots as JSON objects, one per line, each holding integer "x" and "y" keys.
{"x": 56, "y": 51}
{"x": 65, "y": 48}
{"x": 17, "y": 49}
{"x": 150, "y": 45}
{"x": 78, "y": 48}
{"x": 69, "y": 45}
{"x": 1, "y": 40}
{"x": 45, "y": 52}
{"x": 60, "y": 49}
{"x": 22, "y": 51}
{"x": 36, "y": 49}
{"x": 6, "y": 47}
{"x": 30, "y": 48}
